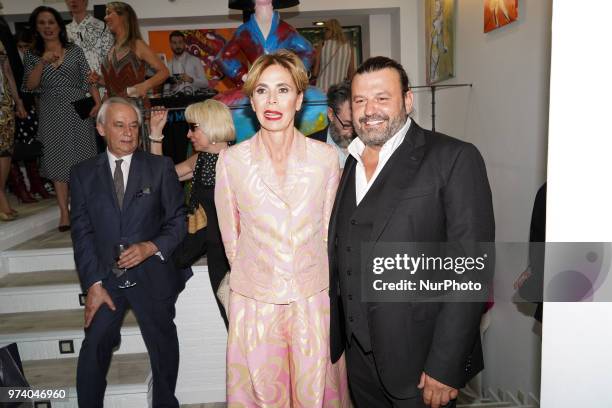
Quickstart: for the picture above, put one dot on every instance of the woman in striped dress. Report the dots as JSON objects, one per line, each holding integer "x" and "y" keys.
{"x": 334, "y": 61}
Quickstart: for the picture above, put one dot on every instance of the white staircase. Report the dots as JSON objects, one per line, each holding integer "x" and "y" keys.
{"x": 41, "y": 310}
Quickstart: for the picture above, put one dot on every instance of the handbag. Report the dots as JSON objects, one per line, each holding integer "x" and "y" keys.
{"x": 26, "y": 151}
{"x": 193, "y": 246}
{"x": 197, "y": 220}
{"x": 84, "y": 106}
{"x": 11, "y": 371}
{"x": 223, "y": 292}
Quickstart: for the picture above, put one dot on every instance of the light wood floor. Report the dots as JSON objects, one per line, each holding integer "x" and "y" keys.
{"x": 124, "y": 369}
{"x": 49, "y": 240}
{"x": 53, "y": 320}
{"x": 41, "y": 278}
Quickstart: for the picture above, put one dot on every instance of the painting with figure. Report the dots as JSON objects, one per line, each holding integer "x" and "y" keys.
{"x": 440, "y": 37}
{"x": 498, "y": 13}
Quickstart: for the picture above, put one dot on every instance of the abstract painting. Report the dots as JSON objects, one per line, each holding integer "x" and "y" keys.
{"x": 204, "y": 44}
{"x": 440, "y": 37}
{"x": 498, "y": 13}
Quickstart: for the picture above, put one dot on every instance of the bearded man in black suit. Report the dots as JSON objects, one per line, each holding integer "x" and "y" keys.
{"x": 402, "y": 183}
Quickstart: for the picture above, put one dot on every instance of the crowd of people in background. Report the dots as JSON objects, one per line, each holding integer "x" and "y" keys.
{"x": 54, "y": 77}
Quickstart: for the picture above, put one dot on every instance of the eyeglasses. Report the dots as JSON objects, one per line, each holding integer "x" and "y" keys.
{"x": 193, "y": 126}
{"x": 345, "y": 126}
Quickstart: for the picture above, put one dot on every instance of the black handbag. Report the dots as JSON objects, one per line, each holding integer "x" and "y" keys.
{"x": 11, "y": 370}
{"x": 84, "y": 106}
{"x": 26, "y": 151}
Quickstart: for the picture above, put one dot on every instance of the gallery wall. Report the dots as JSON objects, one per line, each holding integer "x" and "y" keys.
{"x": 505, "y": 114}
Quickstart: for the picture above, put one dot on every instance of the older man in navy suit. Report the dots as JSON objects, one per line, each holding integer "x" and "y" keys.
{"x": 125, "y": 195}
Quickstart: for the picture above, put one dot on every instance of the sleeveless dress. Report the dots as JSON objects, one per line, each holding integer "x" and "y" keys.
{"x": 122, "y": 73}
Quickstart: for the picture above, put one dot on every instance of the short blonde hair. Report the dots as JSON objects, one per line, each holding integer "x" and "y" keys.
{"x": 284, "y": 58}
{"x": 214, "y": 119}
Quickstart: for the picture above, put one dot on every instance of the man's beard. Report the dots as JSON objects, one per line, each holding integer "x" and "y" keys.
{"x": 338, "y": 138}
{"x": 378, "y": 137}
{"x": 178, "y": 53}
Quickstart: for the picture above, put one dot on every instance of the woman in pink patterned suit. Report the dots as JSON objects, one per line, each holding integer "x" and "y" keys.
{"x": 274, "y": 194}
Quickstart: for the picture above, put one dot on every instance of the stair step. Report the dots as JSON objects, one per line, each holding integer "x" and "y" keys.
{"x": 41, "y": 278}
{"x": 39, "y": 291}
{"x": 34, "y": 260}
{"x": 34, "y": 220}
{"x": 39, "y": 334}
{"x": 128, "y": 379}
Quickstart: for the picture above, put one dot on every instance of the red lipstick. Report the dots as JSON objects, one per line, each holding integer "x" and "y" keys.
{"x": 272, "y": 115}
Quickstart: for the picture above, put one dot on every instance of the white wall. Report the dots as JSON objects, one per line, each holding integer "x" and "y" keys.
{"x": 505, "y": 115}
{"x": 577, "y": 336}
{"x": 380, "y": 40}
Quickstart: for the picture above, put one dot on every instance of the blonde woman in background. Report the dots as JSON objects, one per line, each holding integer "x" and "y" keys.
{"x": 334, "y": 61}
{"x": 210, "y": 129}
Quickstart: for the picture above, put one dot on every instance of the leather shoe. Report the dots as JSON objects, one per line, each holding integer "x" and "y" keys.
{"x": 63, "y": 228}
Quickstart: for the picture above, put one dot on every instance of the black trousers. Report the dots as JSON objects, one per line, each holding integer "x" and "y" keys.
{"x": 367, "y": 390}
{"x": 156, "y": 320}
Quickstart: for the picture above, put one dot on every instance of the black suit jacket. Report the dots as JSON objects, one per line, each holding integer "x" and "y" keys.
{"x": 438, "y": 192}
{"x": 153, "y": 210}
{"x": 321, "y": 135}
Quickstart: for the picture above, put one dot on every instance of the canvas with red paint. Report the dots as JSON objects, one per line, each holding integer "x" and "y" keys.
{"x": 498, "y": 13}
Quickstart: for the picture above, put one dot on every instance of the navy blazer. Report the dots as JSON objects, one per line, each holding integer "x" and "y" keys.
{"x": 153, "y": 210}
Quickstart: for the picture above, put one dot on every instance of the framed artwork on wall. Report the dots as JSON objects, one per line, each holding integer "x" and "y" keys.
{"x": 440, "y": 37}
{"x": 498, "y": 13}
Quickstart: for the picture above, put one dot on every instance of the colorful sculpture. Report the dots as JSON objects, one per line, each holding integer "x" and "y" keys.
{"x": 265, "y": 32}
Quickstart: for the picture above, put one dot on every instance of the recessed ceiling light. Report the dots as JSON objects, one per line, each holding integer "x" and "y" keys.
{"x": 318, "y": 23}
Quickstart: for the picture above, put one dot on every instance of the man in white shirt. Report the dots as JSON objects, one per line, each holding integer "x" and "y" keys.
{"x": 89, "y": 33}
{"x": 186, "y": 69}
{"x": 403, "y": 184}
